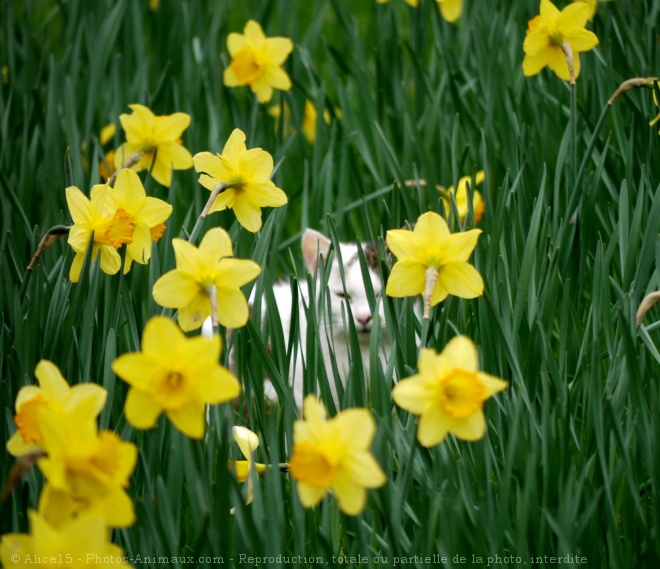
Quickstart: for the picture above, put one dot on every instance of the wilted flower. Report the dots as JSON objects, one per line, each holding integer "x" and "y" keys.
{"x": 547, "y": 35}
{"x": 246, "y": 174}
{"x": 248, "y": 442}
{"x": 157, "y": 139}
{"x": 257, "y": 61}
{"x": 176, "y": 375}
{"x": 333, "y": 455}
{"x": 76, "y": 544}
{"x": 656, "y": 100}
{"x": 448, "y": 393}
{"x": 54, "y": 394}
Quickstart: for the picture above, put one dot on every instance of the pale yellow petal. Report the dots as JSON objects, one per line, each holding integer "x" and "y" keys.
{"x": 459, "y": 246}
{"x": 175, "y": 289}
{"x": 404, "y": 245}
{"x": 362, "y": 468}
{"x": 233, "y": 311}
{"x": 471, "y": 428}
{"x": 141, "y": 409}
{"x": 279, "y": 49}
{"x": 461, "y": 279}
{"x": 192, "y": 315}
{"x": 171, "y": 127}
{"x": 237, "y": 272}
{"x": 493, "y": 384}
{"x": 357, "y": 428}
{"x": 309, "y": 495}
{"x": 351, "y": 497}
{"x": 411, "y": 394}
{"x": 235, "y": 43}
{"x": 216, "y": 245}
{"x": 247, "y": 213}
{"x": 78, "y": 205}
{"x": 460, "y": 352}
{"x": 54, "y": 387}
{"x": 407, "y": 278}
{"x": 277, "y": 78}
{"x": 161, "y": 337}
{"x": 451, "y": 9}
{"x": 189, "y": 419}
{"x": 246, "y": 440}
{"x": 266, "y": 194}
{"x": 434, "y": 425}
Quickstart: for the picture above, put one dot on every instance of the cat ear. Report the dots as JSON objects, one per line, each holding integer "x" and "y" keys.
{"x": 314, "y": 245}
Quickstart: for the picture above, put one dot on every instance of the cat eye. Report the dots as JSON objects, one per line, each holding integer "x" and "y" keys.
{"x": 344, "y": 295}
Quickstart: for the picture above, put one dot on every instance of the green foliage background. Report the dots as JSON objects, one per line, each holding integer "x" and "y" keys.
{"x": 570, "y": 464}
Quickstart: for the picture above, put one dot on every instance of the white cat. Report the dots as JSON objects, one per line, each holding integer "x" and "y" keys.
{"x": 334, "y": 329}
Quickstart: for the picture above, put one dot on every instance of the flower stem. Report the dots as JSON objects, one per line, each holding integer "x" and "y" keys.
{"x": 133, "y": 159}
{"x": 200, "y": 220}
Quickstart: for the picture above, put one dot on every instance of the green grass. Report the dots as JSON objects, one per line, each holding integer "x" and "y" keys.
{"x": 570, "y": 463}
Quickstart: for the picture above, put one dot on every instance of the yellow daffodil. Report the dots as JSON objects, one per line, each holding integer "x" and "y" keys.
{"x": 176, "y": 375}
{"x": 430, "y": 250}
{"x": 448, "y": 393}
{"x": 86, "y": 471}
{"x": 548, "y": 31}
{"x": 593, "y": 5}
{"x": 111, "y": 229}
{"x": 198, "y": 269}
{"x": 147, "y": 215}
{"x": 334, "y": 455}
{"x": 55, "y": 394}
{"x": 248, "y": 442}
{"x": 158, "y": 139}
{"x": 461, "y": 197}
{"x": 79, "y": 544}
{"x": 247, "y": 172}
{"x": 257, "y": 61}
{"x": 451, "y": 9}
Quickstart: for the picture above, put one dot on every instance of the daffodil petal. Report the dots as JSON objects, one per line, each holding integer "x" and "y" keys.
{"x": 141, "y": 409}
{"x": 175, "y": 289}
{"x": 406, "y": 279}
{"x": 461, "y": 279}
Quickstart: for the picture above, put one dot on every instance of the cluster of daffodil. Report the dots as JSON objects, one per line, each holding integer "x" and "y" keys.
{"x": 86, "y": 473}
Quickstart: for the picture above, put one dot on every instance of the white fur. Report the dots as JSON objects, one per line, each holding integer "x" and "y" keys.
{"x": 335, "y": 339}
{"x": 334, "y": 336}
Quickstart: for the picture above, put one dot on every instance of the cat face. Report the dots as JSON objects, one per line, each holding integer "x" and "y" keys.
{"x": 354, "y": 293}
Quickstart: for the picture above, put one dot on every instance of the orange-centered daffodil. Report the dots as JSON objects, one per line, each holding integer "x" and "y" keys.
{"x": 333, "y": 455}
{"x": 257, "y": 61}
{"x": 448, "y": 393}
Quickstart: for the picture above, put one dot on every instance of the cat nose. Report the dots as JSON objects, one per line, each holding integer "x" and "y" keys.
{"x": 364, "y": 319}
